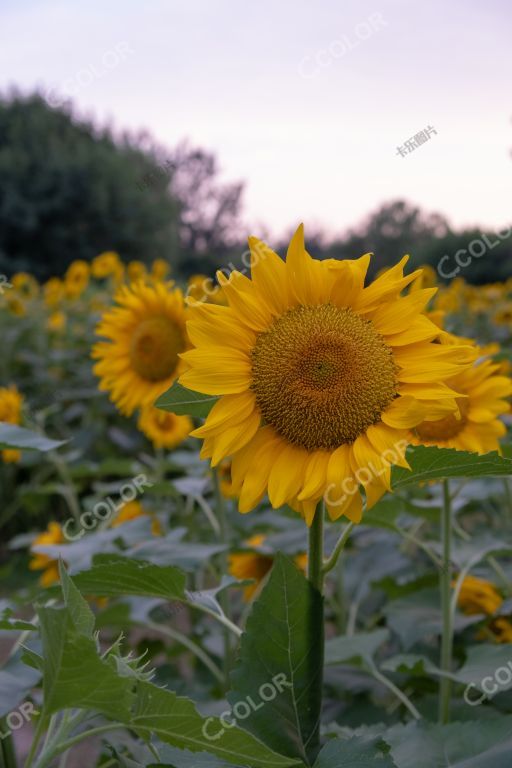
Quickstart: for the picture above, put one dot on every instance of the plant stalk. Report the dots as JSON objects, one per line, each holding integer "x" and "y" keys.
{"x": 316, "y": 628}
{"x": 445, "y": 684}
{"x": 223, "y": 596}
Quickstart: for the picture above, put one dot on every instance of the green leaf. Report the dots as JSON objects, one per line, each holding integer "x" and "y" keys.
{"x": 12, "y": 436}
{"x": 279, "y": 671}
{"x": 430, "y": 463}
{"x": 361, "y": 647}
{"x": 418, "y": 616}
{"x": 184, "y": 758}
{"x": 482, "y": 662}
{"x": 167, "y": 550}
{"x": 8, "y": 623}
{"x": 81, "y": 614}
{"x": 458, "y": 745}
{"x": 183, "y": 401}
{"x": 412, "y": 664}
{"x": 112, "y": 575}
{"x": 465, "y": 553}
{"x": 74, "y": 675}
{"x": 356, "y": 752}
{"x": 32, "y": 659}
{"x": 175, "y": 720}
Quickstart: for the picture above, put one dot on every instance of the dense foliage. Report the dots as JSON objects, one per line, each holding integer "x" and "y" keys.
{"x": 210, "y": 643}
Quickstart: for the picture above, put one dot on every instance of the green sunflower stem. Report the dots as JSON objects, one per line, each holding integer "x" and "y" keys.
{"x": 316, "y": 578}
{"x": 445, "y": 684}
{"x": 7, "y": 752}
{"x": 316, "y": 549}
{"x": 223, "y": 597}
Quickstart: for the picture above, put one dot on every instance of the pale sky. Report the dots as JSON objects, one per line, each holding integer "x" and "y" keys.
{"x": 306, "y": 100}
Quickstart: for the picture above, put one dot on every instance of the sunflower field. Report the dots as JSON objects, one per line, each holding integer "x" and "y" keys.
{"x": 262, "y": 520}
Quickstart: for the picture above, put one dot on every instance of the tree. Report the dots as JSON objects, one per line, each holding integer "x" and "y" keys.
{"x": 209, "y": 210}
{"x": 395, "y": 229}
{"x": 70, "y": 190}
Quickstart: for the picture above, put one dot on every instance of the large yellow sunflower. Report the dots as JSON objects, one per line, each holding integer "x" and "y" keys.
{"x": 146, "y": 333}
{"x": 320, "y": 378}
{"x": 476, "y": 426}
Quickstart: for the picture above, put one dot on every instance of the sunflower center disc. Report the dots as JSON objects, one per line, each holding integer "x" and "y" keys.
{"x": 322, "y": 375}
{"x": 447, "y": 428}
{"x": 154, "y": 348}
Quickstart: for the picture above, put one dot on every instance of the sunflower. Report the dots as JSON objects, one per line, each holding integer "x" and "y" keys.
{"x": 56, "y": 321}
{"x": 25, "y": 285}
{"x": 476, "y": 426}
{"x": 16, "y": 306}
{"x": 11, "y": 402}
{"x": 226, "y": 482}
{"x": 132, "y": 510}
{"x": 203, "y": 289}
{"x": 53, "y": 291}
{"x": 106, "y": 264}
{"x": 136, "y": 271}
{"x": 146, "y": 333}
{"x": 76, "y": 279}
{"x": 255, "y": 564}
{"x": 427, "y": 279}
{"x": 504, "y": 315}
{"x": 165, "y": 430}
{"x": 502, "y": 630}
{"x": 160, "y": 269}
{"x": 478, "y": 596}
{"x": 319, "y": 377}
{"x": 39, "y": 562}
{"x": 481, "y": 596}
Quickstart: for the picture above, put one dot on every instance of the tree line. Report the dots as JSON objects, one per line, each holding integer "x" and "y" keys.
{"x": 70, "y": 190}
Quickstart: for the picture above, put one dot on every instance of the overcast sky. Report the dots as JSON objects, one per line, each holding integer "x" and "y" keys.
{"x": 306, "y": 100}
